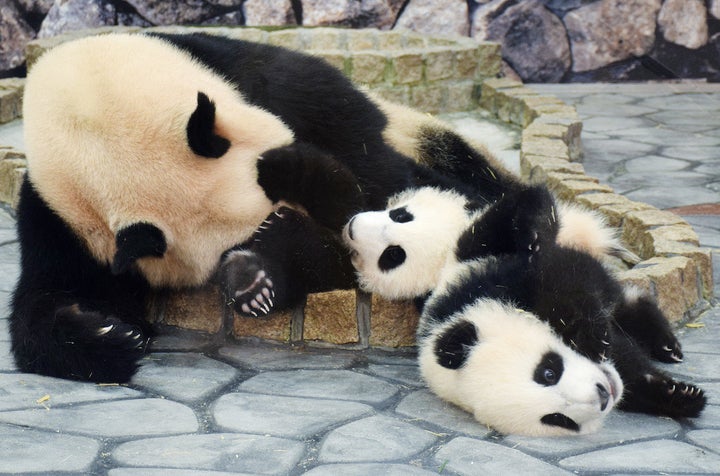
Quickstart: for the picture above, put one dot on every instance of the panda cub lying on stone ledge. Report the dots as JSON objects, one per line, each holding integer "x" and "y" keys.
{"x": 521, "y": 327}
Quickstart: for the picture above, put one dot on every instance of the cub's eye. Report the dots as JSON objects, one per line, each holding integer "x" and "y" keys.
{"x": 391, "y": 258}
{"x": 549, "y": 377}
{"x": 549, "y": 370}
{"x": 401, "y": 215}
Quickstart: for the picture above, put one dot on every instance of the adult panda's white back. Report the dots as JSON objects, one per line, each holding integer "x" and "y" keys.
{"x": 106, "y": 120}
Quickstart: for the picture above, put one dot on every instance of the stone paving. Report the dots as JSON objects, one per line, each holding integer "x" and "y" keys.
{"x": 252, "y": 408}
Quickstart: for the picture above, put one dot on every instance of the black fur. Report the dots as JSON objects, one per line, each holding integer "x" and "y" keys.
{"x": 563, "y": 421}
{"x": 453, "y": 346}
{"x": 201, "y": 137}
{"x": 65, "y": 301}
{"x": 581, "y": 301}
{"x": 137, "y": 241}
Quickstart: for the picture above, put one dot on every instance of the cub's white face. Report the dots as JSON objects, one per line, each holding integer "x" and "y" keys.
{"x": 517, "y": 376}
{"x": 400, "y": 252}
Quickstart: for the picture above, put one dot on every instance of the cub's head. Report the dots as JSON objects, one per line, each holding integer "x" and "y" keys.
{"x": 400, "y": 252}
{"x": 511, "y": 371}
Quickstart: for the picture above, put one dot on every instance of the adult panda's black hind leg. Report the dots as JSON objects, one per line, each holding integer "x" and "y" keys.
{"x": 648, "y": 389}
{"x": 289, "y": 256}
{"x": 71, "y": 317}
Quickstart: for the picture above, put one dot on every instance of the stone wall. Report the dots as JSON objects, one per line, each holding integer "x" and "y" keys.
{"x": 542, "y": 40}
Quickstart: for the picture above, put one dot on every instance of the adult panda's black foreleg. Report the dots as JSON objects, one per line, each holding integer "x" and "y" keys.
{"x": 300, "y": 173}
{"x": 71, "y": 317}
{"x": 289, "y": 257}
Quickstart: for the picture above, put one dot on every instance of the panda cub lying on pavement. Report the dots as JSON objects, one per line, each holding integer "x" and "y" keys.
{"x": 522, "y": 328}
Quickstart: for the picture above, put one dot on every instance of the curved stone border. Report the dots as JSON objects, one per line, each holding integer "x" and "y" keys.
{"x": 406, "y": 67}
{"x": 673, "y": 268}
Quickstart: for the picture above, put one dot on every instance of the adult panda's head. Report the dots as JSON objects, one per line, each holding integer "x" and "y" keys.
{"x": 512, "y": 372}
{"x": 130, "y": 137}
{"x": 400, "y": 252}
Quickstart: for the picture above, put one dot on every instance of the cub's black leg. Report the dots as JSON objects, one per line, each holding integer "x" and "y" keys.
{"x": 647, "y": 389}
{"x": 449, "y": 154}
{"x": 640, "y": 317}
{"x": 289, "y": 257}
{"x": 302, "y": 174}
{"x": 521, "y": 221}
{"x": 72, "y": 317}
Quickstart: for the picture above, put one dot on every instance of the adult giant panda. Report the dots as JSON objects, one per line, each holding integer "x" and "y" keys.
{"x": 531, "y": 336}
{"x": 152, "y": 161}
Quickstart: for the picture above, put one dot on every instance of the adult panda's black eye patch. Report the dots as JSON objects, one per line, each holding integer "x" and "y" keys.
{"x": 550, "y": 369}
{"x": 558, "y": 419}
{"x": 401, "y": 215}
{"x": 391, "y": 258}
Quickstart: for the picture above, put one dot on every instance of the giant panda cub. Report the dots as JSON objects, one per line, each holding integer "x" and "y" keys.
{"x": 530, "y": 334}
{"x": 165, "y": 161}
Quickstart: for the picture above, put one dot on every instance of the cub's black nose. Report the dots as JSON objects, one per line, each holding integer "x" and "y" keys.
{"x": 604, "y": 396}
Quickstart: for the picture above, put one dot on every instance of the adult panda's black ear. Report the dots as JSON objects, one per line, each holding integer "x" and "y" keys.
{"x": 454, "y": 344}
{"x": 137, "y": 241}
{"x": 201, "y": 130}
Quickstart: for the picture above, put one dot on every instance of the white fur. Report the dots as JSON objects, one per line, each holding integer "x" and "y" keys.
{"x": 428, "y": 240}
{"x": 105, "y": 121}
{"x": 496, "y": 383}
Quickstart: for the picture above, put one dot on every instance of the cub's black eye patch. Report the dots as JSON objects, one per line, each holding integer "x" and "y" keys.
{"x": 401, "y": 215}
{"x": 550, "y": 369}
{"x": 558, "y": 419}
{"x": 453, "y": 346}
{"x": 391, "y": 258}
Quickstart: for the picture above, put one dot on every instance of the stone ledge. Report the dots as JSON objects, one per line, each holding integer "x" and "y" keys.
{"x": 675, "y": 269}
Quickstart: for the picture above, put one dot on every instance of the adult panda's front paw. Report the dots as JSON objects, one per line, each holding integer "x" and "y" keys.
{"x": 247, "y": 286}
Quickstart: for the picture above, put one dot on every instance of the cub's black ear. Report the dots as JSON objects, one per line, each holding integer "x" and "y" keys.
{"x": 200, "y": 130}
{"x": 137, "y": 241}
{"x": 453, "y": 346}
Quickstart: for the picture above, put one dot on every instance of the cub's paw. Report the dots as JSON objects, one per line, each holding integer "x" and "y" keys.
{"x": 668, "y": 351}
{"x": 679, "y": 399}
{"x": 248, "y": 288}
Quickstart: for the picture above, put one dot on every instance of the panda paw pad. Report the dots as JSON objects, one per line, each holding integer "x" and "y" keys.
{"x": 248, "y": 288}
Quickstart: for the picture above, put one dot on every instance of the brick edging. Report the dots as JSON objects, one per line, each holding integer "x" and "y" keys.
{"x": 674, "y": 268}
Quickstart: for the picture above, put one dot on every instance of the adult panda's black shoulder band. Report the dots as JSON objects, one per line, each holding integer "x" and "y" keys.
{"x": 200, "y": 130}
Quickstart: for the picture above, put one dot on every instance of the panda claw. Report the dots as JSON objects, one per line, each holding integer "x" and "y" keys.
{"x": 104, "y": 330}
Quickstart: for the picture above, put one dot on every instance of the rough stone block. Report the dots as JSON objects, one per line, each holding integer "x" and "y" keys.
{"x": 13, "y": 167}
{"x": 398, "y": 94}
{"x": 276, "y": 327}
{"x": 336, "y": 58}
{"x": 390, "y": 40}
{"x": 393, "y": 323}
{"x": 362, "y": 39}
{"x": 702, "y": 257}
{"x": 460, "y": 97}
{"x": 570, "y": 189}
{"x": 616, "y": 212}
{"x": 324, "y": 39}
{"x": 199, "y": 309}
{"x": 427, "y": 98}
{"x": 644, "y": 238}
{"x": 545, "y": 146}
{"x": 330, "y": 317}
{"x": 438, "y": 65}
{"x": 532, "y": 103}
{"x": 408, "y": 67}
{"x": 674, "y": 281}
{"x": 466, "y": 62}
{"x": 653, "y": 217}
{"x": 368, "y": 67}
{"x": 489, "y": 62}
{"x": 286, "y": 38}
{"x": 536, "y": 167}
